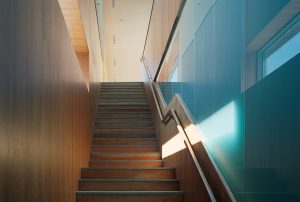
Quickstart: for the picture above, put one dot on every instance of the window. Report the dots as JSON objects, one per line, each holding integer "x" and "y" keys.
{"x": 282, "y": 48}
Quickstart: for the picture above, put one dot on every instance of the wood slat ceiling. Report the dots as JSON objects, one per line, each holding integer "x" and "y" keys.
{"x": 71, "y": 12}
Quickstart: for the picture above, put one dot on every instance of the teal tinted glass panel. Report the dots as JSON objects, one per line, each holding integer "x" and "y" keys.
{"x": 252, "y": 136}
{"x": 209, "y": 84}
{"x": 283, "y": 54}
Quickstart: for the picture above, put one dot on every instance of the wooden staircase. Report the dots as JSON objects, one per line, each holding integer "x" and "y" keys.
{"x": 125, "y": 163}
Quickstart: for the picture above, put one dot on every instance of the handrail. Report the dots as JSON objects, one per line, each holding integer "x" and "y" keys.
{"x": 100, "y": 37}
{"x": 154, "y": 96}
{"x": 172, "y": 32}
{"x": 148, "y": 28}
{"x": 171, "y": 114}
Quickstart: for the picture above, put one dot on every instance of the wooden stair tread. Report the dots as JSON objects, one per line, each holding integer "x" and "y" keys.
{"x": 126, "y": 160}
{"x": 121, "y": 168}
{"x": 118, "y": 139}
{"x": 129, "y": 180}
{"x": 125, "y": 155}
{"x": 129, "y": 192}
{"x": 127, "y": 148}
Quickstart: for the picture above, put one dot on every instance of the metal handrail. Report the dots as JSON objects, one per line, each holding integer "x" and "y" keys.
{"x": 148, "y": 28}
{"x": 100, "y": 37}
{"x": 171, "y": 35}
{"x": 171, "y": 114}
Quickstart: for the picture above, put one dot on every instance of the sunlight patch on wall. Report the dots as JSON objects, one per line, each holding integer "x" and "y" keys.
{"x": 195, "y": 135}
{"x": 173, "y": 146}
{"x": 222, "y": 125}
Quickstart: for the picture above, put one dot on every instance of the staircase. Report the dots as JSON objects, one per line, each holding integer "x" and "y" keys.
{"x": 125, "y": 163}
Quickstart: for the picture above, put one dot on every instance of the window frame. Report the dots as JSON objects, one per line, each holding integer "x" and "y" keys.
{"x": 281, "y": 38}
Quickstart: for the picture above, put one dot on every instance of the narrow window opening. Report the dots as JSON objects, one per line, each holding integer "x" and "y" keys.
{"x": 284, "y": 47}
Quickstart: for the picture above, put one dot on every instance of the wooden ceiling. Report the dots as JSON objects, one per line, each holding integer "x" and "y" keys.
{"x": 71, "y": 13}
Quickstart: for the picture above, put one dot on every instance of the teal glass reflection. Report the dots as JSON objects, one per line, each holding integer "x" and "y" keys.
{"x": 253, "y": 135}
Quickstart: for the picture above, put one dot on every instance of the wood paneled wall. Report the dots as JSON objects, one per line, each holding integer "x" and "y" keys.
{"x": 45, "y": 114}
{"x": 163, "y": 16}
{"x": 168, "y": 65}
{"x": 96, "y": 70}
{"x": 89, "y": 18}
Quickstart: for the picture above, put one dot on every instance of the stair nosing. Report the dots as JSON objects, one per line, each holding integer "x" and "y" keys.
{"x": 125, "y": 132}
{"x": 128, "y": 192}
{"x": 128, "y": 168}
{"x": 128, "y": 180}
{"x": 124, "y": 138}
{"x": 126, "y": 153}
{"x": 120, "y": 145}
{"x": 125, "y": 160}
{"x": 125, "y": 127}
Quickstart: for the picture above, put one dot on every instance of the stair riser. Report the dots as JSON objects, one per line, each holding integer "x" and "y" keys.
{"x": 125, "y": 126}
{"x": 119, "y": 106}
{"x": 121, "y": 85}
{"x": 125, "y": 149}
{"x": 128, "y": 130}
{"x": 127, "y": 174}
{"x": 123, "y": 115}
{"x": 123, "y": 107}
{"x": 122, "y": 103}
{"x": 125, "y": 156}
{"x": 124, "y": 136}
{"x": 117, "y": 112}
{"x": 124, "y": 142}
{"x": 124, "y": 100}
{"x": 128, "y": 186}
{"x": 119, "y": 96}
{"x": 122, "y": 110}
{"x": 129, "y": 198}
{"x": 124, "y": 91}
{"x": 133, "y": 93}
{"x": 130, "y": 101}
{"x": 128, "y": 124}
{"x": 154, "y": 164}
{"x": 124, "y": 119}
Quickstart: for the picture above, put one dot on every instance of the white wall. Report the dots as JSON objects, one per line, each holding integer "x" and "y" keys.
{"x": 128, "y": 22}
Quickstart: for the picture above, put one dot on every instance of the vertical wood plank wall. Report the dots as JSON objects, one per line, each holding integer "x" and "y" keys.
{"x": 96, "y": 74}
{"x": 168, "y": 65}
{"x": 162, "y": 20}
{"x": 89, "y": 18}
{"x": 45, "y": 112}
